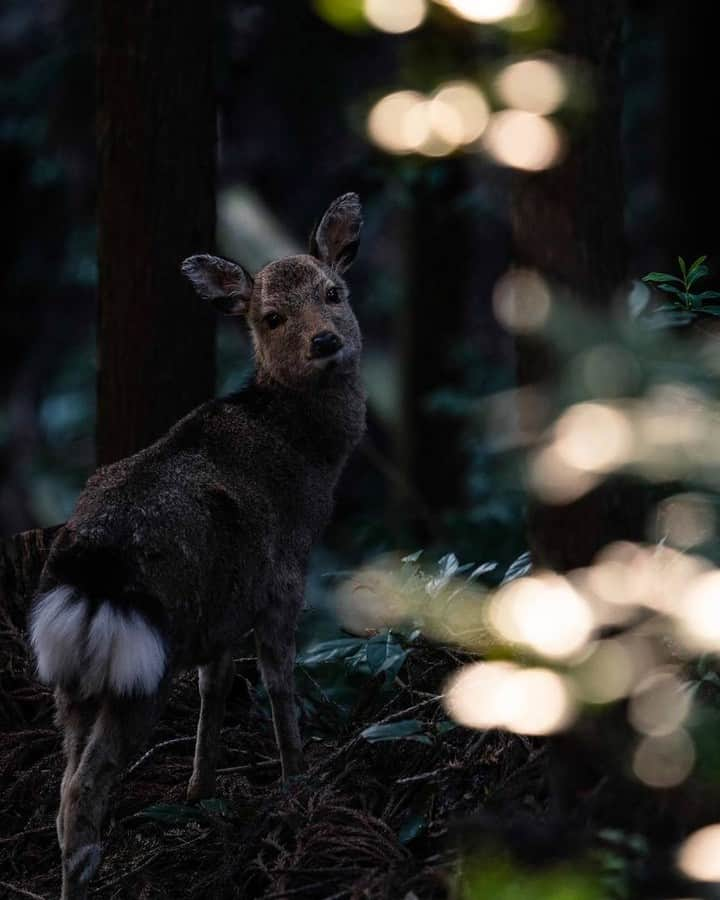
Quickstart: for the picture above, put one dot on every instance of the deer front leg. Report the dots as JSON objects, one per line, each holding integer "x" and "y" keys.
{"x": 276, "y": 656}
{"x": 214, "y": 682}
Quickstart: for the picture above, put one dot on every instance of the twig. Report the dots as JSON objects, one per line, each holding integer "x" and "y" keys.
{"x": 280, "y": 895}
{"x": 21, "y": 834}
{"x": 148, "y": 753}
{"x": 248, "y": 768}
{"x": 19, "y": 890}
{"x": 424, "y": 776}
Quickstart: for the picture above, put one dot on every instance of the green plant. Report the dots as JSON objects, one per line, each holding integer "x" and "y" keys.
{"x": 685, "y": 303}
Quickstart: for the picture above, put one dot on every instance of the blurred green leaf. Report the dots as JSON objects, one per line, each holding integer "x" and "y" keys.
{"x": 413, "y": 826}
{"x": 173, "y": 813}
{"x": 700, "y": 272}
{"x": 330, "y": 651}
{"x": 405, "y": 729}
{"x": 660, "y": 277}
{"x": 698, "y": 262}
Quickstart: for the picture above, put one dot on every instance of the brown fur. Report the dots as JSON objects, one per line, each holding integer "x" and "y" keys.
{"x": 208, "y": 531}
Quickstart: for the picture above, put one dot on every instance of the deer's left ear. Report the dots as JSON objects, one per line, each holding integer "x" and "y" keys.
{"x": 226, "y": 284}
{"x": 336, "y": 238}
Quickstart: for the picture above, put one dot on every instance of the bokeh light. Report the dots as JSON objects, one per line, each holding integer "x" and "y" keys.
{"x": 502, "y": 695}
{"x": 609, "y": 370}
{"x": 554, "y": 481}
{"x": 594, "y": 437}
{"x": 659, "y": 704}
{"x": 469, "y": 106}
{"x": 388, "y": 121}
{"x": 606, "y": 674}
{"x": 521, "y": 301}
{"x": 486, "y": 11}
{"x": 534, "y": 85}
{"x": 699, "y": 856}
{"x": 523, "y": 140}
{"x": 395, "y": 16}
{"x": 664, "y": 761}
{"x": 408, "y": 121}
{"x": 543, "y": 612}
{"x": 685, "y": 520}
{"x": 698, "y": 612}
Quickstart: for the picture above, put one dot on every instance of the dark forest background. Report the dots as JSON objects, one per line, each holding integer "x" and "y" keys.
{"x": 292, "y": 92}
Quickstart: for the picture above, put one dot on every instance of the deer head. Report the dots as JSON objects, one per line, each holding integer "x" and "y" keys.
{"x": 297, "y": 308}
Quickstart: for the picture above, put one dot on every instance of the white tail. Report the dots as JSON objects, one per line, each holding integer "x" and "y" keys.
{"x": 109, "y": 650}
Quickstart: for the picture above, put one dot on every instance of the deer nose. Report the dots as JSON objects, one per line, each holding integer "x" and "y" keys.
{"x": 325, "y": 344}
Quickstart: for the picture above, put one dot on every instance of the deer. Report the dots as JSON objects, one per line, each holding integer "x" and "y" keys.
{"x": 175, "y": 553}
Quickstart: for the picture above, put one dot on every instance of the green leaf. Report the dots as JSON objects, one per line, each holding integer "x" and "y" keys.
{"x": 700, "y": 272}
{"x": 330, "y": 651}
{"x": 698, "y": 262}
{"x": 671, "y": 289}
{"x": 216, "y": 806}
{"x": 405, "y": 729}
{"x": 683, "y": 267}
{"x": 412, "y": 557}
{"x": 414, "y": 825}
{"x": 173, "y": 813}
{"x": 445, "y": 726}
{"x": 383, "y": 652}
{"x": 660, "y": 277}
{"x": 669, "y": 318}
{"x": 482, "y": 570}
{"x": 710, "y": 310}
{"x": 448, "y": 566}
{"x": 519, "y": 567}
{"x": 707, "y": 295}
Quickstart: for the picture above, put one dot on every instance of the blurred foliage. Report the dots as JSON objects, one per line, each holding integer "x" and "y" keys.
{"x": 686, "y": 304}
{"x": 493, "y": 877}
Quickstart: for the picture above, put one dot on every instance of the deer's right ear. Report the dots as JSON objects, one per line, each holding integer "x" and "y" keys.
{"x": 226, "y": 284}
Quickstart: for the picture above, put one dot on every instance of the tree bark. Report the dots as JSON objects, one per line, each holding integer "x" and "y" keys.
{"x": 569, "y": 220}
{"x": 432, "y": 325}
{"x": 569, "y": 224}
{"x": 156, "y": 149}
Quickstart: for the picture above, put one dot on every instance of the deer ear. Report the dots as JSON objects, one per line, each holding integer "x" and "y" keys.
{"x": 336, "y": 238}
{"x": 226, "y": 284}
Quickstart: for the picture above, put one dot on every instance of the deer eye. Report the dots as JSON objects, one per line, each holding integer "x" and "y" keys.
{"x": 332, "y": 295}
{"x": 272, "y": 320}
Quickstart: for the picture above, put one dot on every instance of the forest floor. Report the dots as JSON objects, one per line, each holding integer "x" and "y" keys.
{"x": 414, "y": 816}
{"x": 367, "y": 820}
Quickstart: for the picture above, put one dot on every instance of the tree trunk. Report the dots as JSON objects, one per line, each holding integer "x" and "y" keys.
{"x": 156, "y": 148}
{"x": 432, "y": 324}
{"x": 569, "y": 224}
{"x": 569, "y": 220}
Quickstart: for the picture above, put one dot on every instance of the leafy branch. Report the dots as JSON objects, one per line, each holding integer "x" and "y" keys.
{"x": 686, "y": 303}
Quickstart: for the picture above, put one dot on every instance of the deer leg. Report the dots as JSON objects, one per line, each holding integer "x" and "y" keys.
{"x": 121, "y": 727}
{"x": 75, "y": 718}
{"x": 214, "y": 682}
{"x": 276, "y": 657}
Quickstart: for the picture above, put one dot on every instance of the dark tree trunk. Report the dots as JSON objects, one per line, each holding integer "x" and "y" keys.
{"x": 432, "y": 323}
{"x": 569, "y": 224}
{"x": 690, "y": 155}
{"x": 569, "y": 220}
{"x": 156, "y": 147}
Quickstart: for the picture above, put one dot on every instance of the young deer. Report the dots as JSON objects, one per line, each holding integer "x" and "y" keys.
{"x": 172, "y": 554}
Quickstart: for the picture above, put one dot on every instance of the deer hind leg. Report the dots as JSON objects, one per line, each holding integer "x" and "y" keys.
{"x": 75, "y": 717}
{"x": 214, "y": 682}
{"x": 120, "y": 728}
{"x": 276, "y": 656}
